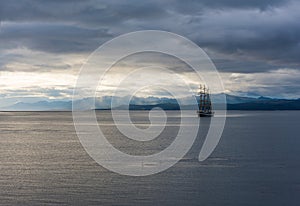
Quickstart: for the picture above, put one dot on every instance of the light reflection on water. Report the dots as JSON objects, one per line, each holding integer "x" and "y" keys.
{"x": 255, "y": 163}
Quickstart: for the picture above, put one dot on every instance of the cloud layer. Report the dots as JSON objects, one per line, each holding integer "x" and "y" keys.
{"x": 246, "y": 39}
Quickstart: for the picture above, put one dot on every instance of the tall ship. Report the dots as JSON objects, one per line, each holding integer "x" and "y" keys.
{"x": 204, "y": 106}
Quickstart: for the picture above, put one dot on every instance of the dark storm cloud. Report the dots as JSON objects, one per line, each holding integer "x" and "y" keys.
{"x": 242, "y": 66}
{"x": 51, "y": 37}
{"x": 65, "y": 26}
{"x": 153, "y": 59}
{"x": 250, "y": 36}
{"x": 87, "y": 12}
{"x": 111, "y": 11}
{"x": 189, "y": 6}
{"x": 263, "y": 4}
{"x": 277, "y": 42}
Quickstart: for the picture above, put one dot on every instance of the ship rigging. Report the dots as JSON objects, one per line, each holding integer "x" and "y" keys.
{"x": 204, "y": 106}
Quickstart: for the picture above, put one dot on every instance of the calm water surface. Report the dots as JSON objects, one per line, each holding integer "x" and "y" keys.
{"x": 257, "y": 162}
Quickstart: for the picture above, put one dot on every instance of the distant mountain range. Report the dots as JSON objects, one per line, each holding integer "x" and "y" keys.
{"x": 140, "y": 103}
{"x": 40, "y": 106}
{"x": 267, "y": 104}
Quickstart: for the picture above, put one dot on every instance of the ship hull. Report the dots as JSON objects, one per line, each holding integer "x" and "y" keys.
{"x": 205, "y": 114}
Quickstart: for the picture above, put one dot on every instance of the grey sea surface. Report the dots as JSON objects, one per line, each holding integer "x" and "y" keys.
{"x": 257, "y": 162}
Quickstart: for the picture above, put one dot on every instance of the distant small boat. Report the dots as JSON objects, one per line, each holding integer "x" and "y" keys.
{"x": 204, "y": 106}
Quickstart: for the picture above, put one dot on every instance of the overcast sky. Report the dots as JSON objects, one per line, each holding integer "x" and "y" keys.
{"x": 254, "y": 44}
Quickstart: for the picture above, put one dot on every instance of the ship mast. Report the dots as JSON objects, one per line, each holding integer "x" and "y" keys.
{"x": 205, "y": 105}
{"x": 201, "y": 102}
{"x": 208, "y": 101}
{"x": 205, "y": 99}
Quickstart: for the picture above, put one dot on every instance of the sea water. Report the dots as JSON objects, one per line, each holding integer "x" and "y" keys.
{"x": 257, "y": 162}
